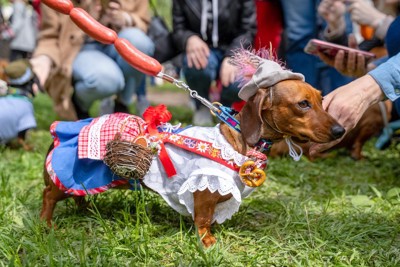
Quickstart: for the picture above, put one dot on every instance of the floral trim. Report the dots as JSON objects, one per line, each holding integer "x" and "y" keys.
{"x": 205, "y": 149}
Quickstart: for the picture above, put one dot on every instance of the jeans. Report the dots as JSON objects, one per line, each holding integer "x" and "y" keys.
{"x": 200, "y": 80}
{"x": 302, "y": 23}
{"x": 99, "y": 71}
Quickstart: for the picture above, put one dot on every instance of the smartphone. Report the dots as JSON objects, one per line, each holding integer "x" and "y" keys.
{"x": 331, "y": 49}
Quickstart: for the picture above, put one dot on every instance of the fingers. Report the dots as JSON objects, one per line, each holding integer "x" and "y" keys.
{"x": 197, "y": 52}
{"x": 361, "y": 65}
{"x": 325, "y": 58}
{"x": 352, "y": 41}
{"x": 224, "y": 77}
{"x": 317, "y": 148}
{"x": 327, "y": 100}
{"x": 197, "y": 59}
{"x": 41, "y": 66}
{"x": 114, "y": 5}
{"x": 227, "y": 73}
{"x": 351, "y": 62}
{"x": 339, "y": 61}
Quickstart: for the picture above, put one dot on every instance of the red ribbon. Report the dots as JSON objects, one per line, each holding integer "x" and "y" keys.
{"x": 155, "y": 116}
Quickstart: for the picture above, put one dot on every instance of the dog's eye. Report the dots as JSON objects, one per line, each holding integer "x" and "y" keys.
{"x": 304, "y": 104}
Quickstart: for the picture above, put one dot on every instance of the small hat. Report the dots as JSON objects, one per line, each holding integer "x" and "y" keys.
{"x": 19, "y": 72}
{"x": 267, "y": 74}
{"x": 259, "y": 69}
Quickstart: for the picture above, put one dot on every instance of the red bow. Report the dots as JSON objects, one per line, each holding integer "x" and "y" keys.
{"x": 155, "y": 116}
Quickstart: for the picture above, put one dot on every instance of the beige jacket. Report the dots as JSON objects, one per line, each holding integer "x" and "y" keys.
{"x": 61, "y": 40}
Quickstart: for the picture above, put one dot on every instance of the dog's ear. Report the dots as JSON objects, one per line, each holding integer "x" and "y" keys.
{"x": 251, "y": 120}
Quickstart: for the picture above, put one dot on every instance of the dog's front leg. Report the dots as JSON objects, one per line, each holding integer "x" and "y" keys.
{"x": 204, "y": 207}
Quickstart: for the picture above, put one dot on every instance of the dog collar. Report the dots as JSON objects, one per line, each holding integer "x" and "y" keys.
{"x": 227, "y": 115}
{"x": 12, "y": 91}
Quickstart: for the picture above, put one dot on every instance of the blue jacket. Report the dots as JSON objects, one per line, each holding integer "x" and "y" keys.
{"x": 387, "y": 75}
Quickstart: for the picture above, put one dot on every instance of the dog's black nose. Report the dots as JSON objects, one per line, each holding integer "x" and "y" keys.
{"x": 337, "y": 131}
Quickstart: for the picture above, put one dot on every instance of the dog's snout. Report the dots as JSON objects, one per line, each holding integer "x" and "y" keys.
{"x": 337, "y": 131}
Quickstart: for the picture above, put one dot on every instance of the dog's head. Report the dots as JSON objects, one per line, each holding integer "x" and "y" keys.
{"x": 279, "y": 103}
{"x": 288, "y": 108}
{"x": 19, "y": 74}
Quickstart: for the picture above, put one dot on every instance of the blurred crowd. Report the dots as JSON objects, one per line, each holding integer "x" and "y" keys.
{"x": 75, "y": 70}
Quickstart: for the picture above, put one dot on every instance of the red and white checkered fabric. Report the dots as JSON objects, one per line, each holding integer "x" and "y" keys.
{"x": 94, "y": 137}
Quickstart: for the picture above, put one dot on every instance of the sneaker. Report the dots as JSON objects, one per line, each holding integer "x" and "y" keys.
{"x": 203, "y": 117}
{"x": 141, "y": 105}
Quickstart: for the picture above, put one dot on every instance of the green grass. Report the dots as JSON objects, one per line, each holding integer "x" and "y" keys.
{"x": 332, "y": 212}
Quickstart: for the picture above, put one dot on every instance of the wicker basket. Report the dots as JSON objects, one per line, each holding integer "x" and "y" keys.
{"x": 127, "y": 159}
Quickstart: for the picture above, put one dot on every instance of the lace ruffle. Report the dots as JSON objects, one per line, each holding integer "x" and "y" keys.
{"x": 227, "y": 151}
{"x": 214, "y": 183}
{"x": 94, "y": 148}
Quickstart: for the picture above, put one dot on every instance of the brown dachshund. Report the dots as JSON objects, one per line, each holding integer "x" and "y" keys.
{"x": 289, "y": 108}
{"x": 371, "y": 124}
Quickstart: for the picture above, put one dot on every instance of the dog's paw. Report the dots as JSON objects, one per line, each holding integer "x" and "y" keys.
{"x": 208, "y": 240}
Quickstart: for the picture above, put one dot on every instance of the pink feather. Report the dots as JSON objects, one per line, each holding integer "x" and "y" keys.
{"x": 247, "y": 62}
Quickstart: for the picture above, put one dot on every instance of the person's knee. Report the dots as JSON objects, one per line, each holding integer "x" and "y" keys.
{"x": 104, "y": 82}
{"x": 138, "y": 39}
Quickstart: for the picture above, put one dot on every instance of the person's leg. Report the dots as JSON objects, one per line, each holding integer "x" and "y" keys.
{"x": 229, "y": 94}
{"x": 133, "y": 77}
{"x": 95, "y": 76}
{"x": 300, "y": 25}
{"x": 142, "y": 103}
{"x": 200, "y": 81}
{"x": 330, "y": 79}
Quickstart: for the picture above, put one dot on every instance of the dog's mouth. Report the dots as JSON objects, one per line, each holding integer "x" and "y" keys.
{"x": 301, "y": 139}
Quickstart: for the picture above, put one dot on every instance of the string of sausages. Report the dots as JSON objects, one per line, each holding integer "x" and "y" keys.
{"x": 101, "y": 33}
{"x": 130, "y": 53}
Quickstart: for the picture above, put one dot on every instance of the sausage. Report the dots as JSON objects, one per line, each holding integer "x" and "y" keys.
{"x": 136, "y": 58}
{"x": 62, "y": 6}
{"x": 92, "y": 27}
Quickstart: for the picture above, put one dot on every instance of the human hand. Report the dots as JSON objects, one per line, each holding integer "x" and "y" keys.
{"x": 41, "y": 66}
{"x": 364, "y": 13}
{"x": 115, "y": 16}
{"x": 197, "y": 52}
{"x": 227, "y": 73}
{"x": 332, "y": 11}
{"x": 353, "y": 64}
{"x": 347, "y": 104}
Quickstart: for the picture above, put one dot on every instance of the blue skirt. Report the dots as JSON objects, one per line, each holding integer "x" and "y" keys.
{"x": 74, "y": 175}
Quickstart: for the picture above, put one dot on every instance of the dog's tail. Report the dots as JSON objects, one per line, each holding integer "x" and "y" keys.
{"x": 46, "y": 175}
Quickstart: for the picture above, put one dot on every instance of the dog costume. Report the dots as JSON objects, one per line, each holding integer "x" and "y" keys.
{"x": 75, "y": 164}
{"x": 201, "y": 155}
{"x": 16, "y": 109}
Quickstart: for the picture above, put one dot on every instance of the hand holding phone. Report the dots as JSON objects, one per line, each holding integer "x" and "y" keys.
{"x": 330, "y": 49}
{"x": 348, "y": 61}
